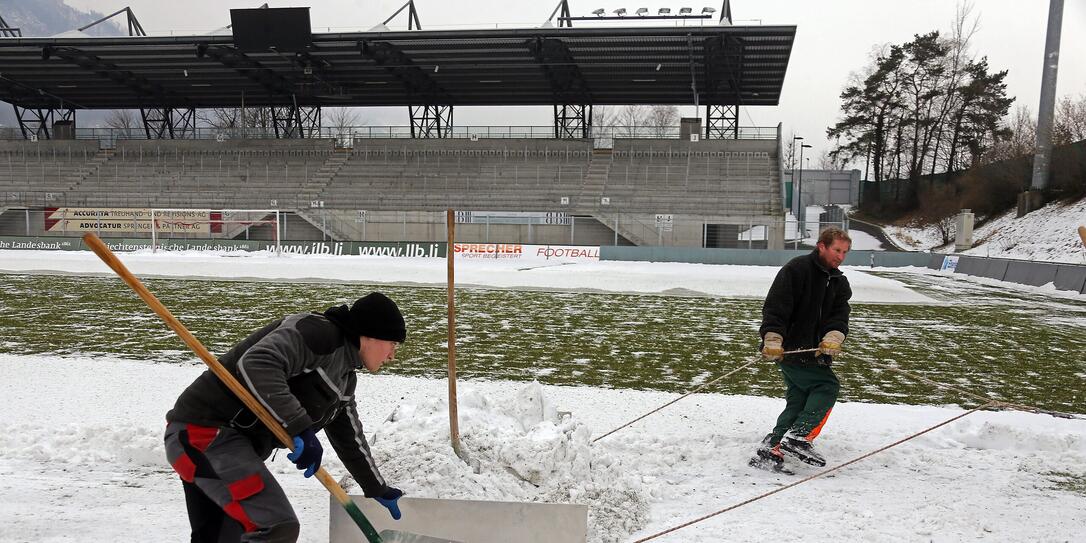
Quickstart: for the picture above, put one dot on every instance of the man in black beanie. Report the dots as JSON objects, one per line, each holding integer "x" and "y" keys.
{"x": 302, "y": 369}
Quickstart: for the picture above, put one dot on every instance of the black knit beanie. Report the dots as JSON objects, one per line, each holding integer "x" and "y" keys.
{"x": 373, "y": 315}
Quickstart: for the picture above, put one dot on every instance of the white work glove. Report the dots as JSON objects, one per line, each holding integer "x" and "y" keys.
{"x": 773, "y": 346}
{"x": 831, "y": 343}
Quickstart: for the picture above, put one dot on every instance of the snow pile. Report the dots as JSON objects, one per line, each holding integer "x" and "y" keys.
{"x": 523, "y": 450}
{"x": 80, "y": 444}
{"x": 1048, "y": 234}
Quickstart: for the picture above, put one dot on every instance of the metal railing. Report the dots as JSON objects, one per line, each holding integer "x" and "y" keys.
{"x": 345, "y": 135}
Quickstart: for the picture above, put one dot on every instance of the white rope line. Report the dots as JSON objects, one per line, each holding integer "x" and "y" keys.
{"x": 816, "y": 475}
{"x": 752, "y": 361}
{"x": 988, "y": 402}
{"x": 975, "y": 396}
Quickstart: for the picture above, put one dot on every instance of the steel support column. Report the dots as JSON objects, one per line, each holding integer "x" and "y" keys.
{"x": 169, "y": 123}
{"x": 296, "y": 122}
{"x": 572, "y": 99}
{"x": 38, "y": 122}
{"x": 721, "y": 122}
{"x": 572, "y": 121}
{"x": 431, "y": 121}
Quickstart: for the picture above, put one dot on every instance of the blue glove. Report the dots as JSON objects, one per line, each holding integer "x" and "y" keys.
{"x": 307, "y": 452}
{"x": 389, "y": 499}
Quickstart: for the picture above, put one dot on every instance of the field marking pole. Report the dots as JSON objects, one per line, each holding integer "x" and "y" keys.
{"x": 227, "y": 378}
{"x": 454, "y": 425}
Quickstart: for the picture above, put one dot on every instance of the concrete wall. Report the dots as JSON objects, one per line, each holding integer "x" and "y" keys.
{"x": 44, "y": 146}
{"x": 415, "y": 146}
{"x": 1063, "y": 276}
{"x": 229, "y": 145}
{"x": 825, "y": 187}
{"x": 754, "y": 257}
{"x": 663, "y": 146}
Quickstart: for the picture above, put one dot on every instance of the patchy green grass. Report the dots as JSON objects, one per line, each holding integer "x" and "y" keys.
{"x": 1020, "y": 347}
{"x": 1068, "y": 482}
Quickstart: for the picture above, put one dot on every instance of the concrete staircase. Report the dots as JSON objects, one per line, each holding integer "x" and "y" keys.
{"x": 13, "y": 223}
{"x": 595, "y": 181}
{"x": 317, "y": 182}
{"x": 89, "y": 169}
{"x": 333, "y": 223}
{"x": 633, "y": 228}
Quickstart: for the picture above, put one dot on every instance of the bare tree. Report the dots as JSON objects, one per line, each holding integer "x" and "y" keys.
{"x": 939, "y": 206}
{"x": 630, "y": 120}
{"x": 341, "y": 120}
{"x": 830, "y": 161}
{"x": 603, "y": 117}
{"x": 1070, "y": 120}
{"x": 236, "y": 120}
{"x": 661, "y": 119}
{"x": 1021, "y": 139}
{"x": 124, "y": 120}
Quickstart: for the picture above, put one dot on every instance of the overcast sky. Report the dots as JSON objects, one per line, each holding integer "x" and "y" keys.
{"x": 833, "y": 39}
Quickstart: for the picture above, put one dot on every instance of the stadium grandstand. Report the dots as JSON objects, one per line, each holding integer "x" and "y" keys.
{"x": 707, "y": 182}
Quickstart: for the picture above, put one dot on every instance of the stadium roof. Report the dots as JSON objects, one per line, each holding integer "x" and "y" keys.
{"x": 730, "y": 65}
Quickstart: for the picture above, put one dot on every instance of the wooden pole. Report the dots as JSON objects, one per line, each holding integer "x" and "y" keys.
{"x": 95, "y": 244}
{"x": 454, "y": 425}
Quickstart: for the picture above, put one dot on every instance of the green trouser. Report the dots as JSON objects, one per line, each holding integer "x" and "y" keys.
{"x": 812, "y": 391}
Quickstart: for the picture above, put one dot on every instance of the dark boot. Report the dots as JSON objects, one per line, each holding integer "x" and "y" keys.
{"x": 769, "y": 457}
{"x": 801, "y": 449}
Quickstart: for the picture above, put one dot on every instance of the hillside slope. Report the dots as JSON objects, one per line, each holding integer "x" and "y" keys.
{"x": 1048, "y": 234}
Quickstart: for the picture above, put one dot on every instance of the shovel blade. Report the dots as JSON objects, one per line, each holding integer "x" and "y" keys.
{"x": 397, "y": 536}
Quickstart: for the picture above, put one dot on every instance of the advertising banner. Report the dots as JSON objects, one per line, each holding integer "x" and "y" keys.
{"x": 40, "y": 244}
{"x": 109, "y": 220}
{"x": 561, "y": 253}
{"x": 403, "y": 249}
{"x": 950, "y": 264}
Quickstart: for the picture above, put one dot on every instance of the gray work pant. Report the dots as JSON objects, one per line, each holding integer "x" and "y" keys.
{"x": 230, "y": 494}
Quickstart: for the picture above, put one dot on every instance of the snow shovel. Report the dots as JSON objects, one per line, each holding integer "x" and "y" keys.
{"x": 396, "y": 536}
{"x": 388, "y": 536}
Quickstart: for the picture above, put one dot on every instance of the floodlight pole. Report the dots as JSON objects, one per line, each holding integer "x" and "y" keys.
{"x": 412, "y": 16}
{"x": 800, "y": 215}
{"x": 134, "y": 26}
{"x": 792, "y": 166}
{"x": 563, "y": 18}
{"x": 1051, "y": 63}
{"x": 8, "y": 31}
{"x": 726, "y": 12}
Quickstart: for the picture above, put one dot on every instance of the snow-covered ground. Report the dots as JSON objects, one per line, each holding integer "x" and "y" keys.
{"x": 83, "y": 461}
{"x": 602, "y": 276}
{"x": 862, "y": 241}
{"x": 80, "y": 437}
{"x": 1049, "y": 234}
